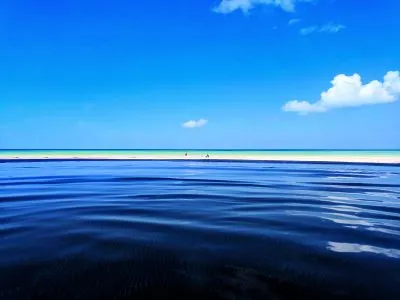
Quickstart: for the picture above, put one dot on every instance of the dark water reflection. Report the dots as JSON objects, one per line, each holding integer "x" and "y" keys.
{"x": 199, "y": 230}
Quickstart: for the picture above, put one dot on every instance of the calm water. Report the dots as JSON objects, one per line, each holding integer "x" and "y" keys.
{"x": 199, "y": 230}
{"x": 220, "y": 153}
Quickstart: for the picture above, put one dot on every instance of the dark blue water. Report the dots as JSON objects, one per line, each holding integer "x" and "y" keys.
{"x": 199, "y": 230}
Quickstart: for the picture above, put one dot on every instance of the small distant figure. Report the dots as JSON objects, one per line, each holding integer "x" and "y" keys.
{"x": 186, "y": 154}
{"x": 207, "y": 156}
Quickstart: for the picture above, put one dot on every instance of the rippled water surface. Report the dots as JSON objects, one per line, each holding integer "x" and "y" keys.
{"x": 199, "y": 230}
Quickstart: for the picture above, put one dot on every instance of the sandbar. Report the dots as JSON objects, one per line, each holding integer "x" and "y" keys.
{"x": 386, "y": 159}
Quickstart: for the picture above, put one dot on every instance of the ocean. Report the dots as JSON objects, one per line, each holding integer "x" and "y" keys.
{"x": 198, "y": 230}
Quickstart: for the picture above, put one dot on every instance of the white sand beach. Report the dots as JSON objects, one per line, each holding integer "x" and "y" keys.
{"x": 287, "y": 157}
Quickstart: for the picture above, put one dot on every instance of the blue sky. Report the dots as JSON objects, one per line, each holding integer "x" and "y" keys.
{"x": 199, "y": 74}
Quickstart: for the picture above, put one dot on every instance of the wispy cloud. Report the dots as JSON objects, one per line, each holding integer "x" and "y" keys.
{"x": 228, "y": 6}
{"x": 194, "y": 123}
{"x": 349, "y": 91}
{"x": 327, "y": 28}
{"x": 294, "y": 21}
{"x": 308, "y": 30}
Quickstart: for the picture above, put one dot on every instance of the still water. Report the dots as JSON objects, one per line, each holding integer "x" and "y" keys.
{"x": 198, "y": 230}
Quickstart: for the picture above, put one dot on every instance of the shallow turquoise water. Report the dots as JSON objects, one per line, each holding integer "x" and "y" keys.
{"x": 211, "y": 152}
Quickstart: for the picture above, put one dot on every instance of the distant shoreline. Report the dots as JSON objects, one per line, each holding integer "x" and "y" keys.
{"x": 386, "y": 159}
{"x": 204, "y": 149}
{"x": 339, "y": 156}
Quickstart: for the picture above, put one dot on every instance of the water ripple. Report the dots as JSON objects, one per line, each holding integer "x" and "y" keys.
{"x": 203, "y": 230}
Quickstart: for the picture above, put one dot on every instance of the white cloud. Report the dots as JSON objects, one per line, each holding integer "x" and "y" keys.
{"x": 308, "y": 30}
{"x": 293, "y": 21}
{"x": 327, "y": 28}
{"x": 195, "y": 124}
{"x": 332, "y": 28}
{"x": 228, "y": 6}
{"x": 349, "y": 91}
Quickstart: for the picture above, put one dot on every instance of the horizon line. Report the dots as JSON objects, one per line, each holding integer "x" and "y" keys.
{"x": 202, "y": 149}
